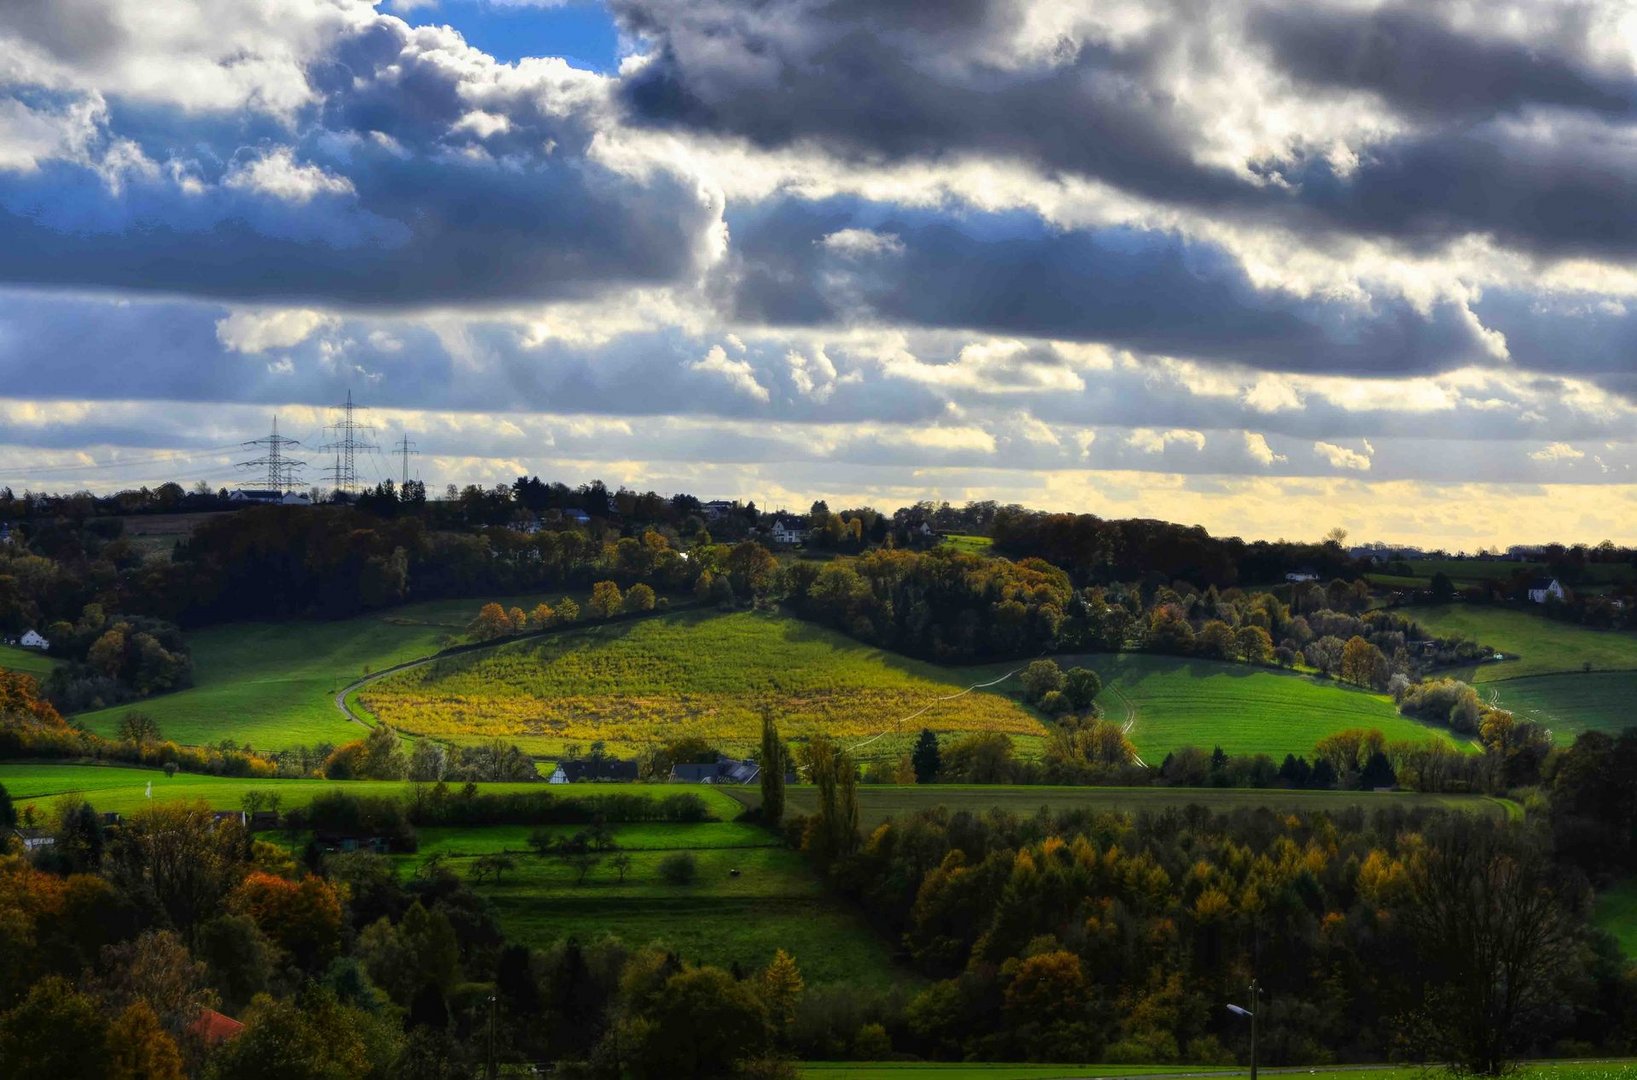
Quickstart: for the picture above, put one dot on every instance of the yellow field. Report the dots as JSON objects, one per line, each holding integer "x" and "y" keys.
{"x": 702, "y": 674}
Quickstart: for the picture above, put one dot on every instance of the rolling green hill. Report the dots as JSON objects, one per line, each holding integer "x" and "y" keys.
{"x": 710, "y": 674}
{"x": 1173, "y": 701}
{"x": 1540, "y": 645}
{"x": 694, "y": 673}
{"x": 1545, "y": 676}
{"x": 28, "y": 661}
{"x": 1570, "y": 704}
{"x": 272, "y": 684}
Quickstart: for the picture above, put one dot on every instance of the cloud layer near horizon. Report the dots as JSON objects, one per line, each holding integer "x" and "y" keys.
{"x": 1086, "y": 256}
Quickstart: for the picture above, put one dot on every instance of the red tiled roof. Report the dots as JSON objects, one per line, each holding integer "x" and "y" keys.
{"x": 214, "y": 1028}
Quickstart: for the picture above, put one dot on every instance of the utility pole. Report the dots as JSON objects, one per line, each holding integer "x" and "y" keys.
{"x": 347, "y": 443}
{"x": 1255, "y": 1008}
{"x": 491, "y": 1071}
{"x": 283, "y": 472}
{"x": 1251, "y": 1014}
{"x": 404, "y": 449}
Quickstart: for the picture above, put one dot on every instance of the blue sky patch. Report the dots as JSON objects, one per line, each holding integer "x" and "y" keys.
{"x": 581, "y": 32}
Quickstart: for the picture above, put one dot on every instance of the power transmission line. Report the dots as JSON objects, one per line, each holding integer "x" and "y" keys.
{"x": 133, "y": 462}
{"x": 404, "y": 449}
{"x": 283, "y": 472}
{"x": 344, "y": 473}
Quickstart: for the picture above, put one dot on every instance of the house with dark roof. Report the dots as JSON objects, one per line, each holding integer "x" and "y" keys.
{"x": 34, "y": 839}
{"x": 1542, "y": 589}
{"x": 724, "y": 770}
{"x": 593, "y": 771}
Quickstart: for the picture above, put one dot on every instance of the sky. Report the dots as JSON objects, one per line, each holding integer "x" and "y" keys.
{"x": 1270, "y": 268}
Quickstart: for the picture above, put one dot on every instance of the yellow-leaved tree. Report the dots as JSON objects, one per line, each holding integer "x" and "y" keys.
{"x": 605, "y": 599}
{"x": 782, "y": 986}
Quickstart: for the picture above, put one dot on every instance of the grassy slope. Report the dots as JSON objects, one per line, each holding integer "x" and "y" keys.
{"x": 1570, "y": 704}
{"x": 28, "y": 661}
{"x": 1616, "y": 912}
{"x": 877, "y": 804}
{"x": 775, "y": 901}
{"x": 1546, "y": 682}
{"x": 272, "y": 684}
{"x": 1542, "y": 646}
{"x": 701, "y": 673}
{"x": 1206, "y": 703}
{"x": 111, "y": 787}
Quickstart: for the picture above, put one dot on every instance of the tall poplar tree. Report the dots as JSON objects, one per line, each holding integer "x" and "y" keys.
{"x": 772, "y": 773}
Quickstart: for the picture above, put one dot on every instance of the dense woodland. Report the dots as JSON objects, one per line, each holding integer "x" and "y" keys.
{"x": 1424, "y": 935}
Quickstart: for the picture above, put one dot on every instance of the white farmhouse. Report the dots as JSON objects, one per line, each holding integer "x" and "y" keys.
{"x": 786, "y": 532}
{"x": 31, "y": 639}
{"x": 1544, "y": 589}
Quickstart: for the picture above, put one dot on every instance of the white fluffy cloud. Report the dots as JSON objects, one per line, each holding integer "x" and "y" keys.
{"x": 1256, "y": 445}
{"x": 739, "y": 374}
{"x": 863, "y": 242}
{"x": 279, "y": 174}
{"x": 259, "y": 331}
{"x": 1558, "y": 451}
{"x": 1340, "y": 457}
{"x": 1149, "y": 441}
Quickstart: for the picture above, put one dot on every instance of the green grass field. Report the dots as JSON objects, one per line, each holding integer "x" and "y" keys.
{"x": 1570, "y": 704}
{"x": 694, "y": 673}
{"x": 1542, "y": 646}
{"x": 1544, "y": 678}
{"x": 1172, "y": 702}
{"x": 122, "y": 789}
{"x": 28, "y": 661}
{"x": 1616, "y": 912}
{"x": 773, "y": 901}
{"x": 879, "y": 803}
{"x": 967, "y": 544}
{"x": 272, "y": 684}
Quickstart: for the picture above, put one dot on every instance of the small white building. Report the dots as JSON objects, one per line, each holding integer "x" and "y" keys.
{"x": 1299, "y": 576}
{"x": 31, "y": 639}
{"x": 785, "y": 532}
{"x": 1544, "y": 589}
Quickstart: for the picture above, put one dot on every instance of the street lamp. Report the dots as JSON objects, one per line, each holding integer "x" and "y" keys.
{"x": 1250, "y": 1013}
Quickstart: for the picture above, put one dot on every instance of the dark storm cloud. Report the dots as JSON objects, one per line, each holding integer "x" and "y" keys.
{"x": 67, "y": 29}
{"x": 886, "y": 80}
{"x": 1139, "y": 289}
{"x": 1418, "y": 63}
{"x": 1558, "y": 191}
{"x": 408, "y": 208}
{"x": 1476, "y": 156}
